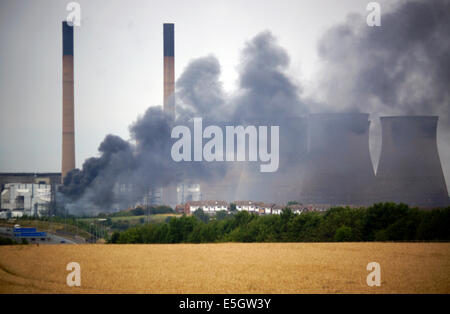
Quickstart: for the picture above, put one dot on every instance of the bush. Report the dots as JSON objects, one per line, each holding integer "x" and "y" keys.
{"x": 7, "y": 241}
{"x": 115, "y": 237}
{"x": 343, "y": 234}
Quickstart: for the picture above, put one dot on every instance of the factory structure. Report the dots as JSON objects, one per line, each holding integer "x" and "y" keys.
{"x": 27, "y": 194}
{"x": 337, "y": 168}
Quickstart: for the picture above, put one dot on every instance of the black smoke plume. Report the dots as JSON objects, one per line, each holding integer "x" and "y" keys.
{"x": 265, "y": 92}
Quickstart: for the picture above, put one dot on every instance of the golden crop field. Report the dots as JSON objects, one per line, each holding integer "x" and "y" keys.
{"x": 227, "y": 268}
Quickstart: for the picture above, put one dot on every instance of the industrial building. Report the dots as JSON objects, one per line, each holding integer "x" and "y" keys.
{"x": 27, "y": 193}
{"x": 26, "y": 199}
{"x": 188, "y": 192}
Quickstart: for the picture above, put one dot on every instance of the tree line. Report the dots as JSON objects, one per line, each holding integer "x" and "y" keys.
{"x": 140, "y": 211}
{"x": 380, "y": 222}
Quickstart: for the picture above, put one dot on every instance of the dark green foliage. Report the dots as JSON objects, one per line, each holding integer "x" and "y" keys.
{"x": 380, "y": 222}
{"x": 221, "y": 215}
{"x": 6, "y": 241}
{"x": 120, "y": 225}
{"x": 140, "y": 211}
{"x": 200, "y": 214}
{"x": 114, "y": 238}
{"x": 343, "y": 234}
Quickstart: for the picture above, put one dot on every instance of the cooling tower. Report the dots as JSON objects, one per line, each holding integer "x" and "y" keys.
{"x": 338, "y": 168}
{"x": 410, "y": 170}
{"x": 68, "y": 134}
{"x": 282, "y": 185}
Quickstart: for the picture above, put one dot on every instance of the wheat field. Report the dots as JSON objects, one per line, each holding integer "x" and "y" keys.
{"x": 227, "y": 268}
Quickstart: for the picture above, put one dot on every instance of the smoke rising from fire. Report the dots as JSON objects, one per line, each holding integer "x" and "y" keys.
{"x": 265, "y": 92}
{"x": 402, "y": 67}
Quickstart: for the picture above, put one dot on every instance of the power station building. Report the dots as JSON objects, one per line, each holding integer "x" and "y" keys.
{"x": 27, "y": 193}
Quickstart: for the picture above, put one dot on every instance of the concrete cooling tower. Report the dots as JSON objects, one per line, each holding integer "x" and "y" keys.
{"x": 282, "y": 185}
{"x": 338, "y": 168}
{"x": 244, "y": 180}
{"x": 410, "y": 170}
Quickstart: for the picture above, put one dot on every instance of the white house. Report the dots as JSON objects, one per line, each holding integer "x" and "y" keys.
{"x": 264, "y": 208}
{"x": 297, "y": 208}
{"x": 209, "y": 207}
{"x": 248, "y": 206}
{"x": 277, "y": 209}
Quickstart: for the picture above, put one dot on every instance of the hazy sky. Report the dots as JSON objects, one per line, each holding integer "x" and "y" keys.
{"x": 119, "y": 62}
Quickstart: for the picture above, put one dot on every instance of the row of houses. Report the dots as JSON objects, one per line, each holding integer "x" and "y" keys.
{"x": 261, "y": 208}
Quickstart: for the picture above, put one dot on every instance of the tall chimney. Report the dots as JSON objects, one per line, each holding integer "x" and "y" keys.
{"x": 169, "y": 69}
{"x": 169, "y": 193}
{"x": 68, "y": 134}
{"x": 410, "y": 170}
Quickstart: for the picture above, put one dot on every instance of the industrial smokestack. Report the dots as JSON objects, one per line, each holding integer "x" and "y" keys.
{"x": 68, "y": 133}
{"x": 169, "y": 192}
{"x": 410, "y": 170}
{"x": 169, "y": 69}
{"x": 339, "y": 169}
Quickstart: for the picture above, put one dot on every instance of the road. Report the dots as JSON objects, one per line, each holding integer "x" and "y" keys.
{"x": 54, "y": 239}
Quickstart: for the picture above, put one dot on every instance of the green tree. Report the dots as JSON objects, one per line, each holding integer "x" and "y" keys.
{"x": 343, "y": 234}
{"x": 115, "y": 237}
{"x": 221, "y": 215}
{"x": 200, "y": 214}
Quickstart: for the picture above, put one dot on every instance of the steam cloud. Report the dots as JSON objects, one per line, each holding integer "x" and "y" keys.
{"x": 402, "y": 67}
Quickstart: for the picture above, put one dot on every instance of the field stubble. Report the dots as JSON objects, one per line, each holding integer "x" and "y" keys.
{"x": 227, "y": 268}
